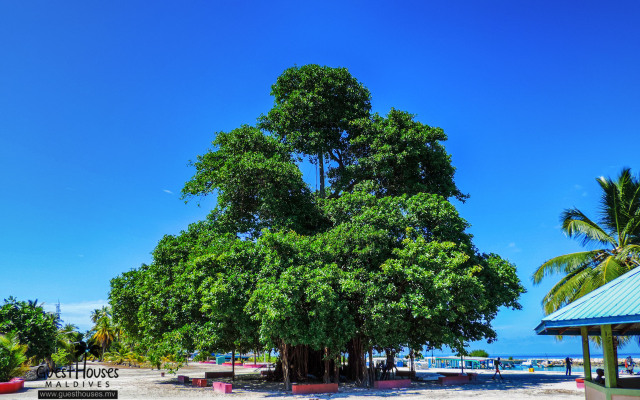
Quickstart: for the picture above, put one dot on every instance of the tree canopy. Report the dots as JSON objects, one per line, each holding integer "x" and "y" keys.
{"x": 379, "y": 259}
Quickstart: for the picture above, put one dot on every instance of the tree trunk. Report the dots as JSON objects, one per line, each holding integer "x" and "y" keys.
{"x": 285, "y": 366}
{"x": 390, "y": 364}
{"x": 412, "y": 356}
{"x": 326, "y": 366}
{"x": 233, "y": 364}
{"x": 336, "y": 370}
{"x": 372, "y": 370}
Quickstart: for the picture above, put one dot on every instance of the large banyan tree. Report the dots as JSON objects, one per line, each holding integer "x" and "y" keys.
{"x": 376, "y": 258}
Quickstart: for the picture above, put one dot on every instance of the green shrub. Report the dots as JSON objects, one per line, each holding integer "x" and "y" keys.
{"x": 13, "y": 359}
{"x": 478, "y": 353}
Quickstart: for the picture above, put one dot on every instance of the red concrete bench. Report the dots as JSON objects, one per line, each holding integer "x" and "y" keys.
{"x": 392, "y": 384}
{"x": 199, "y": 382}
{"x": 218, "y": 374}
{"x": 12, "y": 386}
{"x": 229, "y": 363}
{"x": 305, "y": 388}
{"x": 183, "y": 379}
{"x": 222, "y": 387}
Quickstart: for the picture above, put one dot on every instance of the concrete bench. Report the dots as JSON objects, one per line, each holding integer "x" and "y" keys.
{"x": 199, "y": 382}
{"x": 222, "y": 387}
{"x": 218, "y": 374}
{"x": 298, "y": 388}
{"x": 392, "y": 384}
{"x": 183, "y": 379}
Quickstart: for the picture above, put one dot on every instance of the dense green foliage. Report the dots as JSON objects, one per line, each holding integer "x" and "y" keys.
{"x": 478, "y": 353}
{"x": 616, "y": 236}
{"x": 13, "y": 359}
{"x": 380, "y": 259}
{"x": 33, "y": 326}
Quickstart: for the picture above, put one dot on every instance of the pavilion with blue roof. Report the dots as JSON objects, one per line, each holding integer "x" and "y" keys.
{"x": 610, "y": 311}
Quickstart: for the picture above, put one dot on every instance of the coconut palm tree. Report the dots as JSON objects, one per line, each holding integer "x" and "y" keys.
{"x": 615, "y": 237}
{"x": 105, "y": 333}
{"x": 99, "y": 313}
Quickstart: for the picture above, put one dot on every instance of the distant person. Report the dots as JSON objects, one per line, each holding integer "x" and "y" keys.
{"x": 567, "y": 362}
{"x": 600, "y": 376}
{"x": 628, "y": 363}
{"x": 496, "y": 364}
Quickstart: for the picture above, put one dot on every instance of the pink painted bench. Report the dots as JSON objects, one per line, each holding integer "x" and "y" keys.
{"x": 222, "y": 387}
{"x": 254, "y": 365}
{"x": 392, "y": 384}
{"x": 218, "y": 374}
{"x": 229, "y": 363}
{"x": 199, "y": 382}
{"x": 305, "y": 388}
{"x": 183, "y": 379}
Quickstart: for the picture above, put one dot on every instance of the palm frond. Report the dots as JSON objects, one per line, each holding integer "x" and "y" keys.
{"x": 566, "y": 290}
{"x": 630, "y": 253}
{"x": 565, "y": 264}
{"x": 620, "y": 203}
{"x": 577, "y": 225}
{"x": 608, "y": 270}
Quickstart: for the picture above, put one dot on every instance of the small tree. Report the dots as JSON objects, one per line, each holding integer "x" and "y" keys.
{"x": 478, "y": 353}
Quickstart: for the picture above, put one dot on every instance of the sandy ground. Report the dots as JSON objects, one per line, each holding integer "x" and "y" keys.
{"x": 135, "y": 383}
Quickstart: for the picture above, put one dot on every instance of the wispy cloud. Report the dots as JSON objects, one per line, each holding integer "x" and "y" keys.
{"x": 167, "y": 191}
{"x": 78, "y": 314}
{"x": 513, "y": 247}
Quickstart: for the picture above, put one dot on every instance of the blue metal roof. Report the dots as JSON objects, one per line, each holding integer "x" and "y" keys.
{"x": 617, "y": 303}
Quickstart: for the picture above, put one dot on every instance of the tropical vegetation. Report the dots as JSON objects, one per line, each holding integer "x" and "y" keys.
{"x": 376, "y": 258}
{"x": 612, "y": 239}
{"x": 31, "y": 325}
{"x": 13, "y": 357}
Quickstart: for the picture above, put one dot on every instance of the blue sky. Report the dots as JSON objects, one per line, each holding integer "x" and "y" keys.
{"x": 102, "y": 105}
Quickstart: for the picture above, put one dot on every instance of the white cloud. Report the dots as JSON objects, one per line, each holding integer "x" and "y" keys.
{"x": 167, "y": 191}
{"x": 513, "y": 247}
{"x": 78, "y": 314}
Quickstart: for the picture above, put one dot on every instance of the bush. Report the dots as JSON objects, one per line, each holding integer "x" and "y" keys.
{"x": 34, "y": 327}
{"x": 13, "y": 359}
{"x": 478, "y": 353}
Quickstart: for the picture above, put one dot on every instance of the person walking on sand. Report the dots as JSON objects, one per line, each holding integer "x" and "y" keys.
{"x": 497, "y": 363}
{"x": 567, "y": 362}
